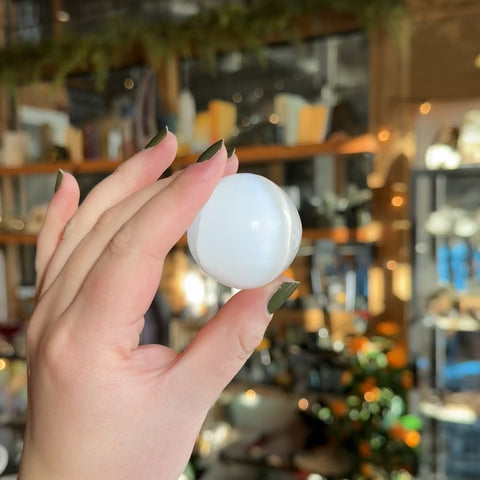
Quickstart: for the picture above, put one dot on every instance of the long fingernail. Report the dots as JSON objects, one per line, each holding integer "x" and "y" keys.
{"x": 59, "y": 179}
{"x": 230, "y": 151}
{"x": 162, "y": 133}
{"x": 210, "y": 151}
{"x": 282, "y": 295}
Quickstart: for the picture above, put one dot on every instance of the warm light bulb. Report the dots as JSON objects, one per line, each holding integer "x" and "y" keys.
{"x": 251, "y": 394}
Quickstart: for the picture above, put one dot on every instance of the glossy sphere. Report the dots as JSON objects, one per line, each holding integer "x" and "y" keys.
{"x": 247, "y": 233}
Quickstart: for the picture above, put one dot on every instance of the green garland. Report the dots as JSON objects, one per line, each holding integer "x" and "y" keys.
{"x": 204, "y": 35}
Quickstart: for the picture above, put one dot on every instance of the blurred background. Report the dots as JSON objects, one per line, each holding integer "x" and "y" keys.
{"x": 367, "y": 114}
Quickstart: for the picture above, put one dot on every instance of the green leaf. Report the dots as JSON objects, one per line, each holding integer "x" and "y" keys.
{"x": 411, "y": 422}
{"x": 214, "y": 30}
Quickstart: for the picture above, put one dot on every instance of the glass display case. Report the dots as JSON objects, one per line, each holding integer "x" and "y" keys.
{"x": 445, "y": 329}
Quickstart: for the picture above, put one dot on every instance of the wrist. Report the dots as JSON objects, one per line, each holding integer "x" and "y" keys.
{"x": 33, "y": 466}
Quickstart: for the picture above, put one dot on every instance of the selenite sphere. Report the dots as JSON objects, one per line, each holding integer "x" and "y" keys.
{"x": 247, "y": 233}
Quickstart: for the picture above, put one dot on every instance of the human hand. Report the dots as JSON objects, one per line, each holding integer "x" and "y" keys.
{"x": 100, "y": 405}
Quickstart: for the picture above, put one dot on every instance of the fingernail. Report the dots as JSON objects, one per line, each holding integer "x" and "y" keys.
{"x": 210, "y": 151}
{"x": 162, "y": 133}
{"x": 59, "y": 179}
{"x": 281, "y": 295}
{"x": 230, "y": 151}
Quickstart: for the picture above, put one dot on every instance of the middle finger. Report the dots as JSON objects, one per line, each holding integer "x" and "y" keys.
{"x": 140, "y": 170}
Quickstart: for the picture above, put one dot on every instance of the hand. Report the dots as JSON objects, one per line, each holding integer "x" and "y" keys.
{"x": 100, "y": 405}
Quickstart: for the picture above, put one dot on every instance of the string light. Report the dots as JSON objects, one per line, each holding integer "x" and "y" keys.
{"x": 274, "y": 118}
{"x": 258, "y": 92}
{"x": 392, "y": 265}
{"x": 250, "y": 394}
{"x": 397, "y": 201}
{"x": 63, "y": 16}
{"x": 303, "y": 404}
{"x": 372, "y": 395}
{"x": 425, "y": 108}
{"x": 246, "y": 122}
{"x": 383, "y": 135}
{"x": 237, "y": 97}
{"x": 128, "y": 83}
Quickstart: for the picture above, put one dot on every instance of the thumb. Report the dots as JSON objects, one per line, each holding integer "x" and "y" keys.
{"x": 224, "y": 344}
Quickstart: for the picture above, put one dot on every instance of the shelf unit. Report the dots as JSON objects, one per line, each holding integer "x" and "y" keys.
{"x": 265, "y": 154}
{"x": 445, "y": 327}
{"x": 370, "y": 233}
{"x": 247, "y": 155}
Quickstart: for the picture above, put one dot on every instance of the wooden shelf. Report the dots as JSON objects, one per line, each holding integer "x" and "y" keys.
{"x": 280, "y": 153}
{"x": 91, "y": 166}
{"x": 370, "y": 233}
{"x": 247, "y": 155}
{"x": 7, "y": 238}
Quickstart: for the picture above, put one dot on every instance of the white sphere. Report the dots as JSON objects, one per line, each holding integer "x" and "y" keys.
{"x": 248, "y": 232}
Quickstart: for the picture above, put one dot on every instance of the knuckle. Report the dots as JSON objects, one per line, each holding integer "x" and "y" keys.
{"x": 69, "y": 228}
{"x": 72, "y": 230}
{"x": 121, "y": 170}
{"x": 246, "y": 340}
{"x": 121, "y": 242}
{"x": 105, "y": 221}
{"x": 54, "y": 350}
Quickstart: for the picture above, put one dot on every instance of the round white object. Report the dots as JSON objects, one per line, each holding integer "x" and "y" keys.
{"x": 3, "y": 458}
{"x": 247, "y": 233}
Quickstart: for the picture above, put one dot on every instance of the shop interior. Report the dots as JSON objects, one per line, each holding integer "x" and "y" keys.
{"x": 367, "y": 115}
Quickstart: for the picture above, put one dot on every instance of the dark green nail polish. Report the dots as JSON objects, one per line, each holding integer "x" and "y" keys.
{"x": 281, "y": 295}
{"x": 59, "y": 179}
{"x": 162, "y": 133}
{"x": 210, "y": 151}
{"x": 230, "y": 151}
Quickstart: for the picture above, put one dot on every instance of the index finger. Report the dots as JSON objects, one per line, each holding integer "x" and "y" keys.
{"x": 120, "y": 286}
{"x": 143, "y": 168}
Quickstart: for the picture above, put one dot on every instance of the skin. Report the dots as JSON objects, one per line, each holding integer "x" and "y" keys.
{"x": 100, "y": 405}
